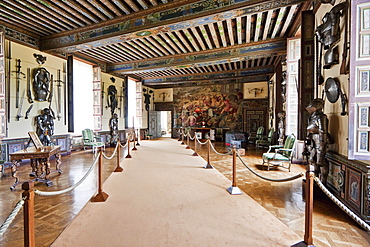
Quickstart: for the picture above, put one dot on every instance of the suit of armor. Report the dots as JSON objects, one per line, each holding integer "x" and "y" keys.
{"x": 317, "y": 139}
{"x": 45, "y": 127}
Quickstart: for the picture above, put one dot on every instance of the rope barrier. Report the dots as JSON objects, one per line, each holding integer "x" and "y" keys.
{"x": 270, "y": 179}
{"x": 192, "y": 138}
{"x": 53, "y": 193}
{"x": 123, "y": 146}
{"x": 11, "y": 216}
{"x": 114, "y": 153}
{"x": 201, "y": 143}
{"x": 214, "y": 150}
{"x": 362, "y": 223}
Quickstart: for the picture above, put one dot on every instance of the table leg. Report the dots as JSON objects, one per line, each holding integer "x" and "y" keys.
{"x": 14, "y": 169}
{"x": 33, "y": 166}
{"x": 47, "y": 168}
{"x": 38, "y": 167}
{"x": 58, "y": 162}
{"x": 43, "y": 171}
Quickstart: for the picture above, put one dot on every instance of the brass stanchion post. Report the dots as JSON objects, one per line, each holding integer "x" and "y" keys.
{"x": 208, "y": 165}
{"x": 101, "y": 196}
{"x": 309, "y": 205}
{"x": 118, "y": 168}
{"x": 195, "y": 146}
{"x": 128, "y": 147}
{"x": 138, "y": 137}
{"x": 187, "y": 140}
{"x": 29, "y": 214}
{"x": 234, "y": 190}
{"x": 134, "y": 149}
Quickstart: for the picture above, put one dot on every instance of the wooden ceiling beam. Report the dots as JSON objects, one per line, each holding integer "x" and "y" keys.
{"x": 231, "y": 54}
{"x": 158, "y": 20}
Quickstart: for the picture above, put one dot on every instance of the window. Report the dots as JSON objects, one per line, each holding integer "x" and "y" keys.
{"x": 294, "y": 48}
{"x": 134, "y": 113}
{"x": 359, "y": 100}
{"x": 83, "y": 96}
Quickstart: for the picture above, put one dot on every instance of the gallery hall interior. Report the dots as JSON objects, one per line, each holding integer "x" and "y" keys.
{"x": 184, "y": 123}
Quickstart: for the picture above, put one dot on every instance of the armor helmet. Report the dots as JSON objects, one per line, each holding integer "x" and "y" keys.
{"x": 315, "y": 105}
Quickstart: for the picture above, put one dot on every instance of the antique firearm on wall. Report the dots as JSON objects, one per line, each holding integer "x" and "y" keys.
{"x": 343, "y": 66}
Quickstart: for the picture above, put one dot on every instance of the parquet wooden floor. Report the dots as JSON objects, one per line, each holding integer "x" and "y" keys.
{"x": 332, "y": 227}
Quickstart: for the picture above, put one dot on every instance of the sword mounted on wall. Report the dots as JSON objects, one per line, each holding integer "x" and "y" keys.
{"x": 18, "y": 81}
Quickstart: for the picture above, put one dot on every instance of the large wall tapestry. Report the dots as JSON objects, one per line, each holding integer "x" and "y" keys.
{"x": 216, "y": 106}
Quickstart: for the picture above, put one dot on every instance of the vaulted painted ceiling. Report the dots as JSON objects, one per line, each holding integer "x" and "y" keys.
{"x": 165, "y": 43}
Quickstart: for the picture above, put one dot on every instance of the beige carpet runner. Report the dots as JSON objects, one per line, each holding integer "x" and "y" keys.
{"x": 165, "y": 197}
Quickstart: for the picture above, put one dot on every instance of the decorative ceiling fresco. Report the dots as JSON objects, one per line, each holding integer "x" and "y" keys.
{"x": 165, "y": 43}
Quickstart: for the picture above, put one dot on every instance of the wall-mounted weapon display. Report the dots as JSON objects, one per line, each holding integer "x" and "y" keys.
{"x": 18, "y": 81}
{"x": 344, "y": 67}
{"x": 59, "y": 95}
{"x": 7, "y": 86}
{"x": 102, "y": 98}
{"x": 41, "y": 80}
{"x": 111, "y": 98}
{"x": 333, "y": 91}
{"x": 19, "y": 112}
{"x": 328, "y": 34}
{"x": 147, "y": 98}
{"x": 121, "y": 96}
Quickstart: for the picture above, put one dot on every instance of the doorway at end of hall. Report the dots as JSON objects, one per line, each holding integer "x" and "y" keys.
{"x": 166, "y": 124}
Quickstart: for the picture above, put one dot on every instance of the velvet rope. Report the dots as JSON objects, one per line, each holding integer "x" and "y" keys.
{"x": 270, "y": 179}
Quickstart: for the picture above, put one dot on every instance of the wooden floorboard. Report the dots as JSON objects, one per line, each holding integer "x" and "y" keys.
{"x": 332, "y": 227}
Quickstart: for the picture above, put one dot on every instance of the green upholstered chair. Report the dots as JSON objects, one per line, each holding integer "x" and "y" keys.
{"x": 90, "y": 140}
{"x": 254, "y": 136}
{"x": 281, "y": 154}
{"x": 265, "y": 141}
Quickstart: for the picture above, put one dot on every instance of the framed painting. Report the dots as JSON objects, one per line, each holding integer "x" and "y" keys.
{"x": 256, "y": 90}
{"x": 354, "y": 187}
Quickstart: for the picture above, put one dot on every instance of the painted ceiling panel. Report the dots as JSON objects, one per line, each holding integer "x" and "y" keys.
{"x": 158, "y": 40}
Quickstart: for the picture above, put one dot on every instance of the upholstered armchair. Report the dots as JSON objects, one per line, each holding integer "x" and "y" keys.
{"x": 90, "y": 140}
{"x": 265, "y": 141}
{"x": 278, "y": 155}
{"x": 254, "y": 136}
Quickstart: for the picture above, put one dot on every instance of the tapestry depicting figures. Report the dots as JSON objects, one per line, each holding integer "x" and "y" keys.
{"x": 216, "y": 106}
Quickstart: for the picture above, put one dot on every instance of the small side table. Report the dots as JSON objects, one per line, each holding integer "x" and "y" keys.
{"x": 39, "y": 161}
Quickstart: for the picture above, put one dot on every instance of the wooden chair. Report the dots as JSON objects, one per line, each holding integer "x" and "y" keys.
{"x": 90, "y": 140}
{"x": 282, "y": 154}
{"x": 265, "y": 141}
{"x": 256, "y": 135}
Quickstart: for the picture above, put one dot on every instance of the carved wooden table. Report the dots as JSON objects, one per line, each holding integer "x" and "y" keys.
{"x": 39, "y": 161}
